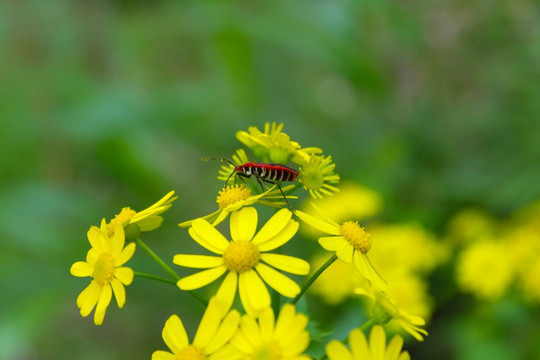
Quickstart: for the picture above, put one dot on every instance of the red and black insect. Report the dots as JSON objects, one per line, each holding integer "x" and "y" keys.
{"x": 263, "y": 172}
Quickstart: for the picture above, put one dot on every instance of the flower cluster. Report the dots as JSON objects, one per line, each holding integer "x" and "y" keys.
{"x": 251, "y": 312}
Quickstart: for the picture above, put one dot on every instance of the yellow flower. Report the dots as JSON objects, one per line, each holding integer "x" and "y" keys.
{"x": 385, "y": 309}
{"x": 336, "y": 283}
{"x": 245, "y": 258}
{"x": 267, "y": 339}
{"x": 485, "y": 269}
{"x": 104, "y": 264}
{"x": 317, "y": 175}
{"x": 350, "y": 242}
{"x": 272, "y": 145}
{"x": 233, "y": 198}
{"x": 376, "y": 349}
{"x": 211, "y": 341}
{"x": 147, "y": 219}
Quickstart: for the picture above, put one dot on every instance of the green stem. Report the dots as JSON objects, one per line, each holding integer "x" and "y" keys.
{"x": 167, "y": 268}
{"x": 157, "y": 259}
{"x": 313, "y": 278}
{"x": 154, "y": 277}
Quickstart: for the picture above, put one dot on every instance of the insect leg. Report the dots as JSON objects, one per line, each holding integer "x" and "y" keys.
{"x": 284, "y": 197}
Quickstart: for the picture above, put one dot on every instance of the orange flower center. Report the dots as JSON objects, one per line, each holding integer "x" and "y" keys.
{"x": 104, "y": 269}
{"x": 241, "y": 256}
{"x": 356, "y": 236}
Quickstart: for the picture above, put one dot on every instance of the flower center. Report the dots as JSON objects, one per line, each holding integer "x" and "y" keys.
{"x": 232, "y": 194}
{"x": 191, "y": 352}
{"x": 241, "y": 256}
{"x": 356, "y": 236}
{"x": 125, "y": 215}
{"x": 104, "y": 269}
{"x": 269, "y": 351}
{"x": 312, "y": 178}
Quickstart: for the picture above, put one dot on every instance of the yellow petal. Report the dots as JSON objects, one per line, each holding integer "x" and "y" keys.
{"x": 280, "y": 238}
{"x": 125, "y": 255}
{"x": 119, "y": 292}
{"x": 377, "y": 342}
{"x": 88, "y": 298}
{"x": 267, "y": 324}
{"x": 198, "y": 261}
{"x": 394, "y": 347}
{"x": 296, "y": 344}
{"x": 278, "y": 281}
{"x": 358, "y": 343}
{"x": 294, "y": 331}
{"x": 226, "y": 331}
{"x": 209, "y": 323}
{"x": 321, "y": 225}
{"x": 253, "y": 292}
{"x": 174, "y": 334}
{"x": 284, "y": 322}
{"x": 163, "y": 355}
{"x": 124, "y": 274}
{"x": 201, "y": 279}
{"x": 118, "y": 240}
{"x": 207, "y": 236}
{"x": 102, "y": 304}
{"x": 243, "y": 224}
{"x": 337, "y": 351}
{"x": 227, "y": 290}
{"x": 332, "y": 243}
{"x": 273, "y": 227}
{"x": 287, "y": 263}
{"x": 95, "y": 237}
{"x": 345, "y": 253}
{"x": 81, "y": 269}
{"x": 250, "y": 329}
{"x": 149, "y": 223}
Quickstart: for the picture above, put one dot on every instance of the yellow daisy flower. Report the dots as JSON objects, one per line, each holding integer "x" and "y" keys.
{"x": 147, "y": 219}
{"x": 275, "y": 146}
{"x": 245, "y": 258}
{"x": 265, "y": 338}
{"x": 233, "y": 198}
{"x": 104, "y": 264}
{"x": 317, "y": 175}
{"x": 211, "y": 341}
{"x": 350, "y": 242}
{"x": 385, "y": 309}
{"x": 360, "y": 349}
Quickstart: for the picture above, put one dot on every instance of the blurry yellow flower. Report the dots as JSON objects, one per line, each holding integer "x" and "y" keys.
{"x": 485, "y": 269}
{"x": 385, "y": 309}
{"x": 233, "y": 198}
{"x": 147, "y": 219}
{"x": 317, "y": 176}
{"x": 244, "y": 258}
{"x": 353, "y": 201}
{"x": 211, "y": 341}
{"x": 360, "y": 349}
{"x": 350, "y": 242}
{"x": 336, "y": 283}
{"x": 407, "y": 247}
{"x": 272, "y": 145}
{"x": 267, "y": 339}
{"x": 104, "y": 264}
{"x": 530, "y": 282}
{"x": 470, "y": 225}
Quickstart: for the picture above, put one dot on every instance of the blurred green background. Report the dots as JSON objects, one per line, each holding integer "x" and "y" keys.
{"x": 105, "y": 104}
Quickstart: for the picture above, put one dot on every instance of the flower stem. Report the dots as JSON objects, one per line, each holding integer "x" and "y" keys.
{"x": 157, "y": 259}
{"x": 167, "y": 268}
{"x": 154, "y": 277}
{"x": 313, "y": 278}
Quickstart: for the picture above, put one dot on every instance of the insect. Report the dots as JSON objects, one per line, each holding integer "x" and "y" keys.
{"x": 263, "y": 172}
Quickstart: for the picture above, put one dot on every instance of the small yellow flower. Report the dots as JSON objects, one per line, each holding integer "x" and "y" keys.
{"x": 211, "y": 341}
{"x": 233, "y": 198}
{"x": 360, "y": 349}
{"x": 104, "y": 264}
{"x": 350, "y": 242}
{"x": 267, "y": 339}
{"x": 147, "y": 219}
{"x": 245, "y": 258}
{"x": 317, "y": 175}
{"x": 272, "y": 145}
{"x": 385, "y": 309}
